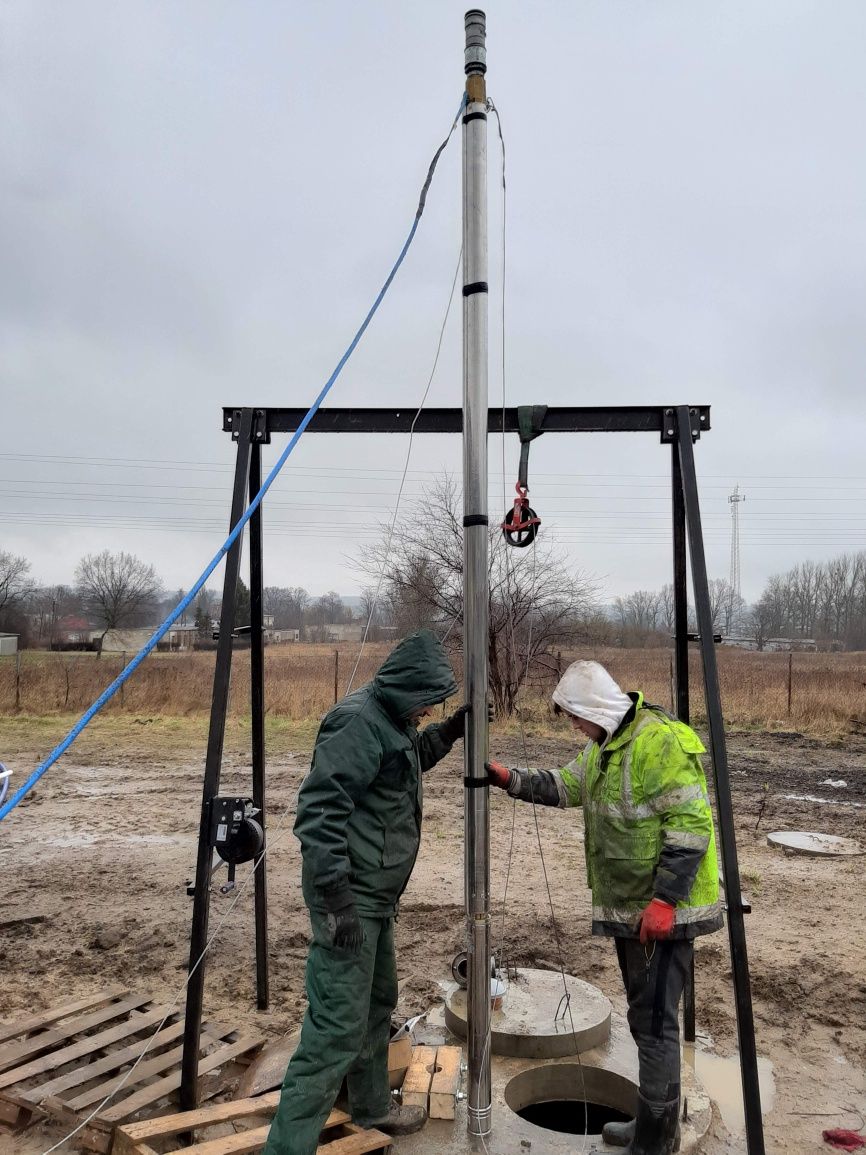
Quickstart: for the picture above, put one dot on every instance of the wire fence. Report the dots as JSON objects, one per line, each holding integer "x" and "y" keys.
{"x": 817, "y": 693}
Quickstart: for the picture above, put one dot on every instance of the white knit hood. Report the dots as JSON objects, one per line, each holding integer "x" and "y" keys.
{"x": 588, "y": 691}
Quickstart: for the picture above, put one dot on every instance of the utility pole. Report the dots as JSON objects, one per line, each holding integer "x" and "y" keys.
{"x": 734, "y": 580}
{"x": 475, "y": 575}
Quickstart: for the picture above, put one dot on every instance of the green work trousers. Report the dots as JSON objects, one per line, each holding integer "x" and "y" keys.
{"x": 345, "y": 1034}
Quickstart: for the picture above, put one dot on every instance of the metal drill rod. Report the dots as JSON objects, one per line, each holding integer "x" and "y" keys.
{"x": 475, "y": 573}
{"x": 257, "y": 719}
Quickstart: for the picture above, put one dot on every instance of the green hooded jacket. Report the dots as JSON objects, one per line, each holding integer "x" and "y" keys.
{"x": 359, "y": 809}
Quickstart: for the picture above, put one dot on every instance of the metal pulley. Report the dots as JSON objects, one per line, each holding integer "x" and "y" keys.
{"x": 235, "y": 834}
{"x": 520, "y": 527}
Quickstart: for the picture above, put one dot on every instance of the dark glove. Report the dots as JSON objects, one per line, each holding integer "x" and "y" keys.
{"x": 346, "y": 929}
{"x": 498, "y": 775}
{"x": 454, "y": 726}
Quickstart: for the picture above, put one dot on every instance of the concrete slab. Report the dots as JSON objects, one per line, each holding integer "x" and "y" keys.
{"x": 815, "y": 845}
{"x": 512, "y": 1135}
{"x": 534, "y": 1021}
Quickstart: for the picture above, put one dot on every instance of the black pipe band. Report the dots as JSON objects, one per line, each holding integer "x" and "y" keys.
{"x": 475, "y": 519}
{"x": 474, "y": 116}
{"x": 475, "y": 783}
{"x": 475, "y": 287}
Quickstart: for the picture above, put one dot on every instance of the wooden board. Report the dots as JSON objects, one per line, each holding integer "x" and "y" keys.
{"x": 46, "y": 1018}
{"x": 445, "y": 1083}
{"x": 340, "y": 1136}
{"x": 416, "y": 1085}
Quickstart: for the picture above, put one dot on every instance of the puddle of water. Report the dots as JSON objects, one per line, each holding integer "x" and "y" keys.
{"x": 822, "y": 801}
{"x": 723, "y": 1083}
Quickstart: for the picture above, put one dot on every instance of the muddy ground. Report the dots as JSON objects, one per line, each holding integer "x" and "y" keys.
{"x": 106, "y": 847}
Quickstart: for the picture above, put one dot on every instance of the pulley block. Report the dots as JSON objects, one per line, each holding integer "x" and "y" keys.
{"x": 235, "y": 834}
{"x": 520, "y": 527}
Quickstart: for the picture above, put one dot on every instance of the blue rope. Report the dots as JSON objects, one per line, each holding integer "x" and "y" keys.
{"x": 186, "y": 601}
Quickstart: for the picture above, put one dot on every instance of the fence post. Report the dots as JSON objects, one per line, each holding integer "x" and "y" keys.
{"x": 336, "y": 676}
{"x": 790, "y": 679}
{"x": 17, "y": 679}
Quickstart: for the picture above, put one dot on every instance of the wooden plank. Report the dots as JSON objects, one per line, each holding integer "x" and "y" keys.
{"x": 123, "y": 1146}
{"x": 416, "y": 1085}
{"x": 14, "y": 1055}
{"x": 205, "y": 1116}
{"x": 145, "y": 1070}
{"x": 445, "y": 1083}
{"x": 162, "y": 1087}
{"x": 83, "y": 1047}
{"x": 359, "y": 1142}
{"x": 241, "y": 1144}
{"x": 46, "y": 1018}
{"x": 88, "y": 1071}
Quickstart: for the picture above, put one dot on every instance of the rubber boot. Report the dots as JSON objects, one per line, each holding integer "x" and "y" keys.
{"x": 656, "y": 1128}
{"x": 399, "y": 1120}
{"x": 621, "y": 1134}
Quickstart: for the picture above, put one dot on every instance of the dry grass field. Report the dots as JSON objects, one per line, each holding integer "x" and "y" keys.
{"x": 828, "y": 696}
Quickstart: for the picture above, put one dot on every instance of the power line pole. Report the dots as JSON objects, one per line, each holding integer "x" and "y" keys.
{"x": 475, "y": 575}
{"x": 734, "y": 580}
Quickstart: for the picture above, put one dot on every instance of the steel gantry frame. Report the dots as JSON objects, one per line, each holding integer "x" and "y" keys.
{"x": 678, "y": 426}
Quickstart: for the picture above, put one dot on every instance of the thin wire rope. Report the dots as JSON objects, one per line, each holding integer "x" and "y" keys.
{"x": 274, "y": 839}
{"x": 511, "y": 579}
{"x": 391, "y": 527}
{"x": 188, "y": 599}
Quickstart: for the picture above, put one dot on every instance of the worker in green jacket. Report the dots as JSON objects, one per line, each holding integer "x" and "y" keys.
{"x": 359, "y": 824}
{"x": 651, "y": 866}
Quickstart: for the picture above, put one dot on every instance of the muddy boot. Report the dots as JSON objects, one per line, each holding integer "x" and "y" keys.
{"x": 621, "y": 1134}
{"x": 399, "y": 1120}
{"x": 656, "y": 1128}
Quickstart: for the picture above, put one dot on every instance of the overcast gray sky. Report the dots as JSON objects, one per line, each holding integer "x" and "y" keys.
{"x": 200, "y": 200}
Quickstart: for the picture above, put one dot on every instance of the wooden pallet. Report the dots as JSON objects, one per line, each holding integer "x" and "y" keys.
{"x": 62, "y": 1063}
{"x": 159, "y": 1136}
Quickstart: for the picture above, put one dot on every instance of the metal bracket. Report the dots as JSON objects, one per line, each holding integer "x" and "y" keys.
{"x": 259, "y": 432}
{"x": 699, "y": 419}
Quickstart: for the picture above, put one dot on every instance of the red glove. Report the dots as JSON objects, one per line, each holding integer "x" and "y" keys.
{"x": 657, "y": 920}
{"x": 498, "y": 774}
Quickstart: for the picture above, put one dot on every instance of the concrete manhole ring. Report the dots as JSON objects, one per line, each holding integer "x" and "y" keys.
{"x": 534, "y": 1021}
{"x": 815, "y": 845}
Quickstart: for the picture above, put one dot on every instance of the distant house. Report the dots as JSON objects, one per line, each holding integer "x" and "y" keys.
{"x": 8, "y": 645}
{"x": 740, "y": 642}
{"x": 337, "y": 632}
{"x": 181, "y": 637}
{"x": 279, "y": 636}
{"x": 798, "y": 645}
{"x": 125, "y": 641}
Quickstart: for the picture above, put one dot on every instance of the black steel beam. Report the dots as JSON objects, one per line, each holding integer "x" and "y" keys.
{"x": 724, "y": 806}
{"x": 558, "y": 419}
{"x": 213, "y": 765}
{"x": 257, "y": 718}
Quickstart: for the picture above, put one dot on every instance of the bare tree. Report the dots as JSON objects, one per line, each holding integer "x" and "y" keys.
{"x": 15, "y": 583}
{"x": 48, "y": 605}
{"x": 536, "y": 603}
{"x": 118, "y": 589}
{"x": 288, "y": 605}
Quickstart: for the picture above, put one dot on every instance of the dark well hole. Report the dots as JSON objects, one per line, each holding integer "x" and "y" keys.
{"x": 572, "y": 1116}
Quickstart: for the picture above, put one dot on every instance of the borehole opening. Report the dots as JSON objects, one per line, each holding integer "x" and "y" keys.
{"x": 572, "y": 1116}
{"x": 571, "y": 1097}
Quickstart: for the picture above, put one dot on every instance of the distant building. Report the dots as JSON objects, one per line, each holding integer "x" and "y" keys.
{"x": 739, "y": 642}
{"x": 180, "y": 637}
{"x": 126, "y": 641}
{"x": 798, "y": 645}
{"x": 8, "y": 645}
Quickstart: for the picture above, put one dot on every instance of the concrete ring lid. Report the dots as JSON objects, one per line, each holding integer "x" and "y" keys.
{"x": 816, "y": 845}
{"x": 534, "y": 1021}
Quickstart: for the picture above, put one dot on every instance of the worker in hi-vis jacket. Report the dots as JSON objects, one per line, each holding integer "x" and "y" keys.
{"x": 651, "y": 866}
{"x": 359, "y": 825}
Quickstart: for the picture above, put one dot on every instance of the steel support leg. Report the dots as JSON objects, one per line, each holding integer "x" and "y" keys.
{"x": 681, "y": 679}
{"x": 213, "y": 764}
{"x": 736, "y": 925}
{"x": 257, "y": 688}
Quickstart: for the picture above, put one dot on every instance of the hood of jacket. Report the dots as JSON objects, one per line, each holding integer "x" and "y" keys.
{"x": 415, "y": 674}
{"x": 587, "y": 690}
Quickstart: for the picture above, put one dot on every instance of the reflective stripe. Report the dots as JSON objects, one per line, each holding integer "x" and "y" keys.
{"x": 629, "y": 916}
{"x": 685, "y": 840}
{"x": 674, "y": 798}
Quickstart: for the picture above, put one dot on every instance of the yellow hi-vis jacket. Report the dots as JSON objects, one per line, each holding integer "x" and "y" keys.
{"x": 648, "y": 823}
